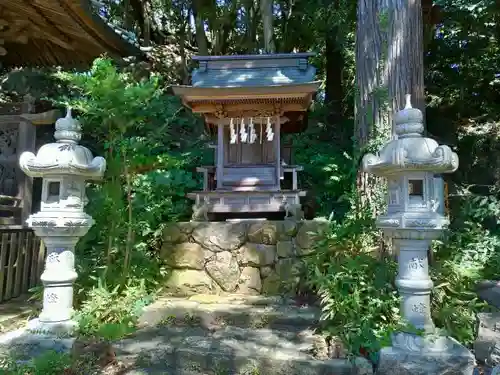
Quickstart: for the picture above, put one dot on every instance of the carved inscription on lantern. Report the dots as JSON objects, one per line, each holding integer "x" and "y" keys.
{"x": 52, "y": 298}
{"x": 419, "y": 308}
{"x": 416, "y": 264}
{"x": 53, "y": 258}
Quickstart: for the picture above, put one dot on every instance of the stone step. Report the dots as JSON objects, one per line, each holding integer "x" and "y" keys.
{"x": 228, "y": 350}
{"x": 240, "y": 311}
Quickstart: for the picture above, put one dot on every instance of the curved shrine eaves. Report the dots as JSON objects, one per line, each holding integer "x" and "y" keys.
{"x": 234, "y": 101}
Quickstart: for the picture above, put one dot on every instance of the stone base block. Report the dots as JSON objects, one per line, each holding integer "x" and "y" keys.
{"x": 415, "y": 355}
{"x": 487, "y": 344}
{"x": 245, "y": 257}
{"x": 66, "y": 328}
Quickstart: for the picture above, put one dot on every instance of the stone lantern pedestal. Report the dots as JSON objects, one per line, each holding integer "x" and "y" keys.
{"x": 412, "y": 165}
{"x": 64, "y": 167}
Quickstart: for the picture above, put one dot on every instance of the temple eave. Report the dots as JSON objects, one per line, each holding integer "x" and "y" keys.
{"x": 193, "y": 93}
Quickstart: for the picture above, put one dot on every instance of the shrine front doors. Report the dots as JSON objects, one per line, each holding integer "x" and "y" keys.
{"x": 259, "y": 152}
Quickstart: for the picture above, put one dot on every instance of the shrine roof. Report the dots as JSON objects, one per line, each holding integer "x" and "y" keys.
{"x": 251, "y": 71}
{"x": 246, "y": 93}
{"x": 252, "y": 86}
{"x": 66, "y": 33}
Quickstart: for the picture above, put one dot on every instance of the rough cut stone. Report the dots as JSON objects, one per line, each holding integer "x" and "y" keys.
{"x": 362, "y": 366}
{"x": 226, "y": 350}
{"x": 263, "y": 232}
{"x": 187, "y": 255}
{"x": 172, "y": 233}
{"x": 271, "y": 285}
{"x": 289, "y": 272}
{"x": 250, "y": 282}
{"x": 285, "y": 249}
{"x": 256, "y": 254}
{"x": 309, "y": 233}
{"x": 223, "y": 268}
{"x": 455, "y": 360}
{"x": 288, "y": 229}
{"x": 220, "y": 236}
{"x": 284, "y": 279}
{"x": 271, "y": 247}
{"x": 188, "y": 282}
{"x": 487, "y": 344}
{"x": 265, "y": 271}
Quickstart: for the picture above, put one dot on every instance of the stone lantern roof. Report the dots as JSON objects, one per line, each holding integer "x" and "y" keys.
{"x": 410, "y": 151}
{"x": 65, "y": 156}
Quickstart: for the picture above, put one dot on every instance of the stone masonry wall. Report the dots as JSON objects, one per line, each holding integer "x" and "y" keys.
{"x": 243, "y": 257}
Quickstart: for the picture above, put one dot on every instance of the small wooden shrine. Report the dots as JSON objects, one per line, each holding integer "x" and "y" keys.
{"x": 249, "y": 102}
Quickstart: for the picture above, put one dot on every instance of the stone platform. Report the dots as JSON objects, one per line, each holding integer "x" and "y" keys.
{"x": 231, "y": 335}
{"x": 252, "y": 257}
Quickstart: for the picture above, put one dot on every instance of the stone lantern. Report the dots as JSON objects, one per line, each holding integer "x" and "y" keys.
{"x": 412, "y": 165}
{"x": 64, "y": 167}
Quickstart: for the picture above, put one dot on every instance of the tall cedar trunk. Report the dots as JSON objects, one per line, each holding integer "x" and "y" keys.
{"x": 288, "y": 41}
{"x": 266, "y": 11}
{"x": 184, "y": 73}
{"x": 250, "y": 26}
{"x": 334, "y": 92}
{"x": 389, "y": 64}
{"x": 148, "y": 16}
{"x": 201, "y": 37}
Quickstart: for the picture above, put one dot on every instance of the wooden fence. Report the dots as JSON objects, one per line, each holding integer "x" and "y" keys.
{"x": 22, "y": 256}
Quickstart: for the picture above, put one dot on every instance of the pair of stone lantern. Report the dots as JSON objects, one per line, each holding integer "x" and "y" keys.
{"x": 64, "y": 167}
{"x": 412, "y": 165}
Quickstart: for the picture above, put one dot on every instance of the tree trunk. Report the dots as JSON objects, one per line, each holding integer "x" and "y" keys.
{"x": 147, "y": 11}
{"x": 266, "y": 11}
{"x": 389, "y": 64}
{"x": 250, "y": 29}
{"x": 127, "y": 15}
{"x": 184, "y": 73}
{"x": 201, "y": 37}
{"x": 334, "y": 92}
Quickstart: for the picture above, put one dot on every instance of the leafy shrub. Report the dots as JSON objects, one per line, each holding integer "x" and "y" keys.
{"x": 359, "y": 300}
{"x": 470, "y": 253}
{"x": 49, "y": 363}
{"x": 150, "y": 144}
{"x": 112, "y": 314}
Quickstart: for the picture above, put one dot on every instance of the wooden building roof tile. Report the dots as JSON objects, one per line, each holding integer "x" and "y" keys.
{"x": 253, "y": 71}
{"x": 66, "y": 33}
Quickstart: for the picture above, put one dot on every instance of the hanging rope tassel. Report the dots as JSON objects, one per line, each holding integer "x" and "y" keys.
{"x": 253, "y": 134}
{"x": 243, "y": 132}
{"x": 234, "y": 136}
{"x": 269, "y": 130}
{"x": 261, "y": 130}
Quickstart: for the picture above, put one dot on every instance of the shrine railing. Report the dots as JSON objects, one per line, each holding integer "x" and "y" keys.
{"x": 22, "y": 255}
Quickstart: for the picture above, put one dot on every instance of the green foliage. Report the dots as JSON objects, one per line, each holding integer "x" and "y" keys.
{"x": 130, "y": 123}
{"x": 38, "y": 83}
{"x": 111, "y": 314}
{"x": 49, "y": 363}
{"x": 471, "y": 253}
{"x": 150, "y": 144}
{"x": 359, "y": 300}
{"x": 329, "y": 160}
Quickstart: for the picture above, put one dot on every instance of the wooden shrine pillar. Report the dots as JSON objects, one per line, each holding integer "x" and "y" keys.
{"x": 277, "y": 150}
{"x": 26, "y": 141}
{"x": 220, "y": 153}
